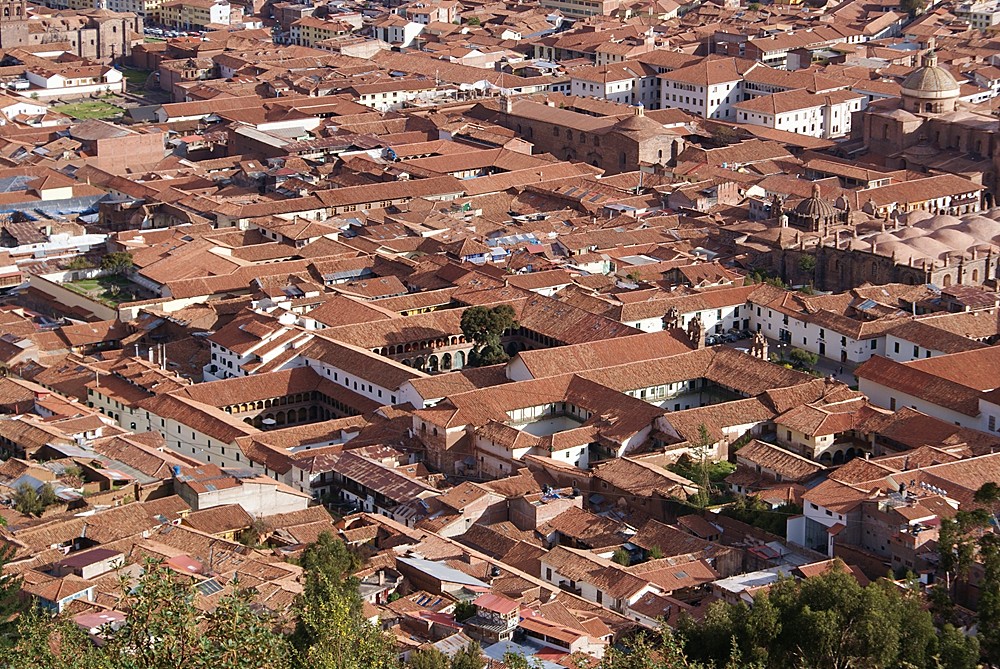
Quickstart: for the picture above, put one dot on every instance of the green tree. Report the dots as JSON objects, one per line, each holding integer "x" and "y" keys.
{"x": 330, "y": 556}
{"x": 828, "y": 621}
{"x": 989, "y": 599}
{"x": 330, "y": 632}
{"x": 807, "y": 263}
{"x": 645, "y": 651}
{"x": 957, "y": 544}
{"x": 956, "y": 650}
{"x": 470, "y": 657}
{"x": 238, "y": 636}
{"x": 11, "y": 604}
{"x": 464, "y": 610}
{"x": 484, "y": 326}
{"x": 473, "y": 21}
{"x": 33, "y": 502}
{"x": 700, "y": 453}
{"x": 80, "y": 262}
{"x": 118, "y": 262}
{"x": 163, "y": 630}
{"x": 803, "y": 359}
{"x": 428, "y": 658}
{"x": 622, "y": 557}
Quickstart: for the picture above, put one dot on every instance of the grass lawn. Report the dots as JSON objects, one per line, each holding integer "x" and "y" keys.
{"x": 109, "y": 290}
{"x": 136, "y": 78}
{"x": 90, "y": 109}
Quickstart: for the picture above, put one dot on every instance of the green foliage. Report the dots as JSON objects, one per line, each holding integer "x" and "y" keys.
{"x": 828, "y": 621}
{"x": 754, "y": 6}
{"x": 645, "y": 651}
{"x": 752, "y": 511}
{"x": 80, "y": 262}
{"x": 762, "y": 276}
{"x": 989, "y": 599}
{"x": 473, "y": 21}
{"x": 913, "y": 7}
{"x": 118, "y": 262}
{"x": 428, "y": 658}
{"x": 470, "y": 657}
{"x": 807, "y": 263}
{"x": 330, "y": 632}
{"x": 464, "y": 611}
{"x": 10, "y": 601}
{"x": 163, "y": 630}
{"x": 518, "y": 661}
{"x": 655, "y": 553}
{"x": 484, "y": 326}
{"x": 622, "y": 557}
{"x": 88, "y": 109}
{"x": 699, "y": 468}
{"x": 33, "y": 502}
{"x": 802, "y": 359}
{"x": 956, "y": 650}
{"x": 329, "y": 556}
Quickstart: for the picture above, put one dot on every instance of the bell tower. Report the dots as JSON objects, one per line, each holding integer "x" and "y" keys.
{"x": 13, "y": 10}
{"x": 13, "y": 23}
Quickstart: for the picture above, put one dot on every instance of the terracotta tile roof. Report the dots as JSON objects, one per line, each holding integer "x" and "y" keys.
{"x": 588, "y": 529}
{"x": 642, "y": 479}
{"x": 926, "y": 385}
{"x": 790, "y": 466}
{"x": 219, "y": 519}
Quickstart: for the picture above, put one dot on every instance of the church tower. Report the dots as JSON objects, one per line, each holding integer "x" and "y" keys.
{"x": 13, "y": 23}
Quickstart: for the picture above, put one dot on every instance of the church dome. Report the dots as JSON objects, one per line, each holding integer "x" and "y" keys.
{"x": 638, "y": 123}
{"x": 816, "y": 207}
{"x": 930, "y": 81}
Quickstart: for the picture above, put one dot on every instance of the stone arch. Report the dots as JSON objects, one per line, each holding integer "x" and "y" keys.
{"x": 303, "y": 414}
{"x": 279, "y": 417}
{"x": 432, "y": 363}
{"x": 406, "y": 361}
{"x": 446, "y": 361}
{"x": 975, "y": 276}
{"x": 419, "y": 363}
{"x": 946, "y": 280}
{"x": 459, "y": 359}
{"x": 826, "y": 459}
{"x": 838, "y": 457}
